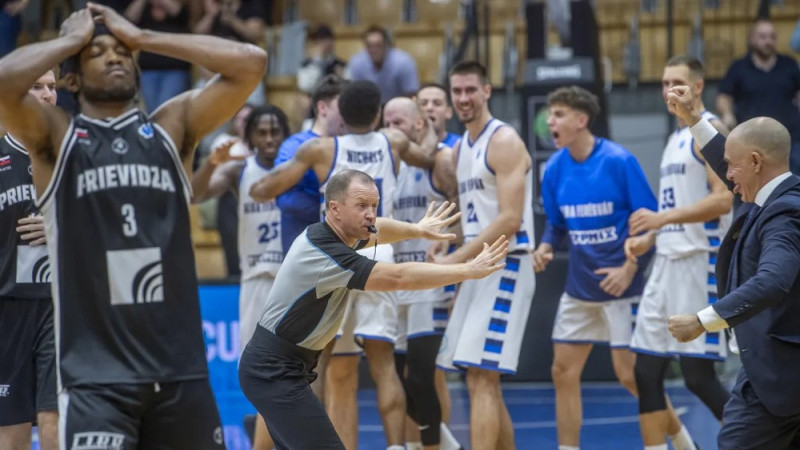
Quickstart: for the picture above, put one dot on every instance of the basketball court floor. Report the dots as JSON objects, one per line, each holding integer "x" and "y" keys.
{"x": 610, "y": 417}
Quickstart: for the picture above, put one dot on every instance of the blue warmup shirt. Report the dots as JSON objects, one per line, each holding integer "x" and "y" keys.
{"x": 300, "y": 205}
{"x": 451, "y": 140}
{"x": 591, "y": 202}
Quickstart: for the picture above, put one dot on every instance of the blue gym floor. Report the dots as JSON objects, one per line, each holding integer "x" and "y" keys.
{"x": 610, "y": 418}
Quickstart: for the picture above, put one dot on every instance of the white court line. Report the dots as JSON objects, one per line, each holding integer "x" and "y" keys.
{"x": 605, "y": 399}
{"x": 541, "y": 385}
{"x": 540, "y": 423}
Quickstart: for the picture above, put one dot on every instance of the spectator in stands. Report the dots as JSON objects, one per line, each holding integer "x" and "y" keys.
{"x": 321, "y": 61}
{"x": 10, "y": 24}
{"x": 117, "y": 5}
{"x": 162, "y": 77}
{"x": 795, "y": 42}
{"x": 392, "y": 69}
{"x": 239, "y": 20}
{"x": 763, "y": 83}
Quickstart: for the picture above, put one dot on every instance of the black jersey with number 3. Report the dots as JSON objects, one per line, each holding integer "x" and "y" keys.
{"x": 125, "y": 289}
{"x": 24, "y": 270}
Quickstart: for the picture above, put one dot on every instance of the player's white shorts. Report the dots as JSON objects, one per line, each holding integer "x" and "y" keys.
{"x": 253, "y": 295}
{"x": 591, "y": 322}
{"x": 678, "y": 286}
{"x": 369, "y": 315}
{"x": 421, "y": 319}
{"x": 488, "y": 320}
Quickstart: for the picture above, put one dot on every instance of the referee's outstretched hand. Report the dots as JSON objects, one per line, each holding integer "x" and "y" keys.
{"x": 436, "y": 220}
{"x": 490, "y": 260}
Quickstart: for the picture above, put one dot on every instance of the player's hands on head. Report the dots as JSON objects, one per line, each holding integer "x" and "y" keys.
{"x": 491, "y": 259}
{"x": 437, "y": 219}
{"x": 32, "y": 229}
{"x": 222, "y": 153}
{"x": 79, "y": 25}
{"x": 682, "y": 99}
{"x": 122, "y": 29}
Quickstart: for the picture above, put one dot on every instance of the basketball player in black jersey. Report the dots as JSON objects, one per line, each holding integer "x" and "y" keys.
{"x": 114, "y": 191}
{"x": 27, "y": 352}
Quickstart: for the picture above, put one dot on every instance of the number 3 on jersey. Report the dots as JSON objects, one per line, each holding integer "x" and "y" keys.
{"x": 129, "y": 227}
{"x": 667, "y": 198}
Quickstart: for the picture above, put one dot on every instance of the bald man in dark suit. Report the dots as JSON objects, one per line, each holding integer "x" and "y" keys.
{"x": 757, "y": 279}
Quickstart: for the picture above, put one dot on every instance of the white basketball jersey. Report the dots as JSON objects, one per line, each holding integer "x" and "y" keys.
{"x": 684, "y": 182}
{"x": 477, "y": 190}
{"x": 415, "y": 191}
{"x": 260, "y": 248}
{"x": 371, "y": 154}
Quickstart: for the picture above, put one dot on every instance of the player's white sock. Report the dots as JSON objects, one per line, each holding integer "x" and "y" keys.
{"x": 568, "y": 447}
{"x": 446, "y": 439}
{"x": 413, "y": 445}
{"x": 395, "y": 447}
{"x": 656, "y": 447}
{"x": 682, "y": 440}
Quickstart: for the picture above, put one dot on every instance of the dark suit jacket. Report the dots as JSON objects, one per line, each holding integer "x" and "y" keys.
{"x": 759, "y": 288}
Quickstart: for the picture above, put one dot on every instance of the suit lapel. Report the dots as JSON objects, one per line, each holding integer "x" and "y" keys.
{"x": 749, "y": 220}
{"x": 725, "y": 267}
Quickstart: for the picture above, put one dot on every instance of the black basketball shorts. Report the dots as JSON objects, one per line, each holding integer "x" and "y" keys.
{"x": 179, "y": 415}
{"x": 27, "y": 360}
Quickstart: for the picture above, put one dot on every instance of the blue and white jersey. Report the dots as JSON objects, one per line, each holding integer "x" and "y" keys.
{"x": 415, "y": 192}
{"x": 370, "y": 153}
{"x": 477, "y": 190}
{"x": 591, "y": 201}
{"x": 260, "y": 245}
{"x": 684, "y": 182}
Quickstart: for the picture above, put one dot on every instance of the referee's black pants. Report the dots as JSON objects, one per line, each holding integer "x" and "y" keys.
{"x": 275, "y": 375}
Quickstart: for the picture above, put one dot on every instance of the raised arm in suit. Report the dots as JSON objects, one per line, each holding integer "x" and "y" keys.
{"x": 757, "y": 281}
{"x": 776, "y": 230}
